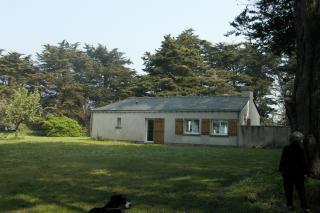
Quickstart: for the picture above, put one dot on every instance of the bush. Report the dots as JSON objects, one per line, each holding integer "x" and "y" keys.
{"x": 25, "y": 130}
{"x": 55, "y": 126}
{"x": 36, "y": 126}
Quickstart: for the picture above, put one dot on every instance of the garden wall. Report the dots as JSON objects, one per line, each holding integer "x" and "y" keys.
{"x": 263, "y": 136}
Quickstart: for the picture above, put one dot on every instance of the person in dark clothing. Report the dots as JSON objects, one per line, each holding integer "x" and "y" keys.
{"x": 294, "y": 170}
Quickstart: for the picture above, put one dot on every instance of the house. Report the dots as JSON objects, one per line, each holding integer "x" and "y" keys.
{"x": 211, "y": 120}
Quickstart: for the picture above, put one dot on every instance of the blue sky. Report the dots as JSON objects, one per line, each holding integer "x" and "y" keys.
{"x": 132, "y": 26}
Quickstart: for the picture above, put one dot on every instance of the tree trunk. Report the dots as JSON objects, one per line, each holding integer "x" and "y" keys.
{"x": 304, "y": 107}
{"x": 17, "y": 129}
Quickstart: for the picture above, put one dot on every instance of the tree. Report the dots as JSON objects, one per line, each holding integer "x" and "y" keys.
{"x": 22, "y": 107}
{"x": 268, "y": 23}
{"x": 180, "y": 56}
{"x": 292, "y": 28}
{"x": 304, "y": 108}
{"x": 17, "y": 69}
{"x": 75, "y": 79}
{"x": 2, "y": 110}
{"x": 248, "y": 66}
{"x": 63, "y": 69}
{"x": 112, "y": 79}
{"x": 179, "y": 67}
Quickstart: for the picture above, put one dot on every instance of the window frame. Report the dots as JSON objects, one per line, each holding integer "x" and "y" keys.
{"x": 185, "y": 126}
{"x": 220, "y": 121}
{"x": 119, "y": 123}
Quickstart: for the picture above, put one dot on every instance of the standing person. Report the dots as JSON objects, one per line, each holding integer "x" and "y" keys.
{"x": 293, "y": 168}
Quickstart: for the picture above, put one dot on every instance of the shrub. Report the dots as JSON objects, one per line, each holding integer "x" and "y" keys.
{"x": 25, "y": 130}
{"x": 37, "y": 126}
{"x": 55, "y": 126}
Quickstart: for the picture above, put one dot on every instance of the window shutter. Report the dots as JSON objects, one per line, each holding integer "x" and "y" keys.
{"x": 232, "y": 125}
{"x": 179, "y": 126}
{"x": 205, "y": 126}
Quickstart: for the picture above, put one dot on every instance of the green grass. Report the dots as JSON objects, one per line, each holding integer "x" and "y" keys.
{"x": 39, "y": 174}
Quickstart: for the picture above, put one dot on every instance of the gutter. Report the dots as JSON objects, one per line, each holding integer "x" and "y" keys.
{"x": 160, "y": 111}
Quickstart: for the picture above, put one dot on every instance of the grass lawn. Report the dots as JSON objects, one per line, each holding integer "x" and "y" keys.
{"x": 39, "y": 174}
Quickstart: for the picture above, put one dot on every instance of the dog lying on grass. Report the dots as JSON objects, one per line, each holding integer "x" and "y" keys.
{"x": 116, "y": 204}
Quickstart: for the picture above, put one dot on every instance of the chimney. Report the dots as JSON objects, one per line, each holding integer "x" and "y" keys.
{"x": 247, "y": 92}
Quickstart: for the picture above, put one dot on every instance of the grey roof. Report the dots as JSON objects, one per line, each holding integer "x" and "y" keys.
{"x": 177, "y": 103}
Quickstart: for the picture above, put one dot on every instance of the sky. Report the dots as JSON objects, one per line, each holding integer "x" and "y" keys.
{"x": 132, "y": 26}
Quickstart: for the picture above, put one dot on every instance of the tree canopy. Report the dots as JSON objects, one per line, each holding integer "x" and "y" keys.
{"x": 22, "y": 107}
{"x": 269, "y": 24}
{"x": 74, "y": 79}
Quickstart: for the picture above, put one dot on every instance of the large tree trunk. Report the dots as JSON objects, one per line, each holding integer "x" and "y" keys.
{"x": 304, "y": 108}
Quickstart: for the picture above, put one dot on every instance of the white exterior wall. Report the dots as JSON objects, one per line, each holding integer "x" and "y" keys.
{"x": 250, "y": 111}
{"x": 244, "y": 114}
{"x": 134, "y": 127}
{"x": 254, "y": 115}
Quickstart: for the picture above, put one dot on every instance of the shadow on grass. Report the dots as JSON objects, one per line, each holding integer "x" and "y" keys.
{"x": 12, "y": 204}
{"x": 75, "y": 177}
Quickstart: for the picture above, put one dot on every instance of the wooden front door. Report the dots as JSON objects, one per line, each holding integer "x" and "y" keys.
{"x": 158, "y": 131}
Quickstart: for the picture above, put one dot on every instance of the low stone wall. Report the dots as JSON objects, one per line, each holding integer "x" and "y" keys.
{"x": 263, "y": 136}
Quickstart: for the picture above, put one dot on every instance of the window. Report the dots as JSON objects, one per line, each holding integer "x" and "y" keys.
{"x": 191, "y": 126}
{"x": 118, "y": 123}
{"x": 220, "y": 127}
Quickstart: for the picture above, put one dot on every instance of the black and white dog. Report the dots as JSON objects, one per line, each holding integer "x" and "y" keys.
{"x": 117, "y": 204}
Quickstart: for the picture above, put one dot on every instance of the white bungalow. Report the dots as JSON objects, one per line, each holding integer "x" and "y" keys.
{"x": 211, "y": 120}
